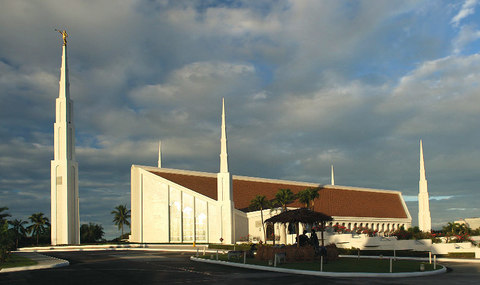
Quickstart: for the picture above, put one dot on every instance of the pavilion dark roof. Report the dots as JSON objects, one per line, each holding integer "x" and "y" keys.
{"x": 302, "y": 215}
{"x": 332, "y": 201}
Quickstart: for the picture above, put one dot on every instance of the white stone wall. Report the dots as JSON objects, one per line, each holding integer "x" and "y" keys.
{"x": 157, "y": 202}
{"x": 377, "y": 224}
{"x": 241, "y": 225}
{"x": 391, "y": 243}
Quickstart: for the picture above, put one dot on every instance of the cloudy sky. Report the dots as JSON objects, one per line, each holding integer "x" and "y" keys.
{"x": 307, "y": 84}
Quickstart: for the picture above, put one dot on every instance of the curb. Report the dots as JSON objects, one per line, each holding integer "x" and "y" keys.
{"x": 52, "y": 263}
{"x": 61, "y": 249}
{"x": 324, "y": 274}
{"x": 465, "y": 260}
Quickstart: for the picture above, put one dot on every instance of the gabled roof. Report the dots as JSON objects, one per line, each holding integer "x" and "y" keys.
{"x": 333, "y": 200}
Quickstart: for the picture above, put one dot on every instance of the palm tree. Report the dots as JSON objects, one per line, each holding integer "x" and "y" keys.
{"x": 260, "y": 202}
{"x": 121, "y": 216}
{"x": 313, "y": 195}
{"x": 39, "y": 225}
{"x": 18, "y": 229}
{"x": 91, "y": 233}
{"x": 308, "y": 196}
{"x": 284, "y": 197}
{"x": 3, "y": 215}
{"x": 304, "y": 197}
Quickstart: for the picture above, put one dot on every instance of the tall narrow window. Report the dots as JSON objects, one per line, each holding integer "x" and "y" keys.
{"x": 70, "y": 143}
{"x": 201, "y": 220}
{"x": 175, "y": 215}
{"x": 188, "y": 217}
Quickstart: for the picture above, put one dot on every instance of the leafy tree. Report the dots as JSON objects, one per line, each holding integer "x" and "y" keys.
{"x": 120, "y": 216}
{"x": 6, "y": 241}
{"x": 91, "y": 232}
{"x": 39, "y": 225}
{"x": 456, "y": 229}
{"x": 18, "y": 229}
{"x": 3, "y": 215}
{"x": 260, "y": 202}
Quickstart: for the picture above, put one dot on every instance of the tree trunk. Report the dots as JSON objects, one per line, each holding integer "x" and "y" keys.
{"x": 263, "y": 226}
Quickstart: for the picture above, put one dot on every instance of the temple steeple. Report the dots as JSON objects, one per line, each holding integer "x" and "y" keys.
{"x": 223, "y": 143}
{"x": 65, "y": 226}
{"x": 333, "y": 176}
{"x": 424, "y": 218}
{"x": 225, "y": 188}
{"x": 159, "y": 154}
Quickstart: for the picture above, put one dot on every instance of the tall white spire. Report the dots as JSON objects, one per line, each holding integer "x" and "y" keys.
{"x": 424, "y": 218}
{"x": 65, "y": 221}
{"x": 223, "y": 142}
{"x": 333, "y": 176}
{"x": 225, "y": 189}
{"x": 159, "y": 154}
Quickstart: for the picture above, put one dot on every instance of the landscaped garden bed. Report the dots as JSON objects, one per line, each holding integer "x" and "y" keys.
{"x": 344, "y": 264}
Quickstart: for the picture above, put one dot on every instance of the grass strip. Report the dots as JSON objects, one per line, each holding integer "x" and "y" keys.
{"x": 16, "y": 261}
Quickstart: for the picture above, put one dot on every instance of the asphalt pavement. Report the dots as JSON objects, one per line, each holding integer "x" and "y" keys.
{"x": 159, "y": 267}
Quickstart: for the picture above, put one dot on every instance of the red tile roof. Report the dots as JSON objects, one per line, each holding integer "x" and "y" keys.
{"x": 333, "y": 200}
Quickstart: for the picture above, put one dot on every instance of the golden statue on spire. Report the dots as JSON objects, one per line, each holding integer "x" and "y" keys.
{"x": 64, "y": 36}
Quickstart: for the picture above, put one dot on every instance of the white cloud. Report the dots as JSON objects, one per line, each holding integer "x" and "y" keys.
{"x": 466, "y": 35}
{"x": 306, "y": 84}
{"x": 468, "y": 8}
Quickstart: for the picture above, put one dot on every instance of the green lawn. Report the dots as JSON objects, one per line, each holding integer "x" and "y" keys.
{"x": 344, "y": 264}
{"x": 15, "y": 261}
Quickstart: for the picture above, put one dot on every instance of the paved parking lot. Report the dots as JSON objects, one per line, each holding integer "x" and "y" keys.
{"x": 153, "y": 267}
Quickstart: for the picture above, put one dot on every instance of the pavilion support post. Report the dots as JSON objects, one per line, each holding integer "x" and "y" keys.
{"x": 273, "y": 226}
{"x": 297, "y": 225}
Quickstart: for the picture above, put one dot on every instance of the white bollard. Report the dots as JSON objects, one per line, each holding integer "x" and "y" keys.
{"x": 197, "y": 252}
{"x": 430, "y": 257}
{"x": 274, "y": 261}
{"x": 217, "y": 254}
{"x": 244, "y": 257}
{"x": 321, "y": 263}
{"x": 434, "y": 261}
{"x": 394, "y": 255}
{"x": 204, "y": 250}
{"x": 391, "y": 267}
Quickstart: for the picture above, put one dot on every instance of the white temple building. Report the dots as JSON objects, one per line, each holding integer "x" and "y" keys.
{"x": 65, "y": 221}
{"x": 181, "y": 206}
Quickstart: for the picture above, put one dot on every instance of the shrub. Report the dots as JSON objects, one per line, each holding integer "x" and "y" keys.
{"x": 7, "y": 242}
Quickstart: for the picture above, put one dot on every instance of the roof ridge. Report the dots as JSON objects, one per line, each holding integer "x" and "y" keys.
{"x": 266, "y": 180}
{"x": 177, "y": 171}
{"x": 272, "y": 180}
